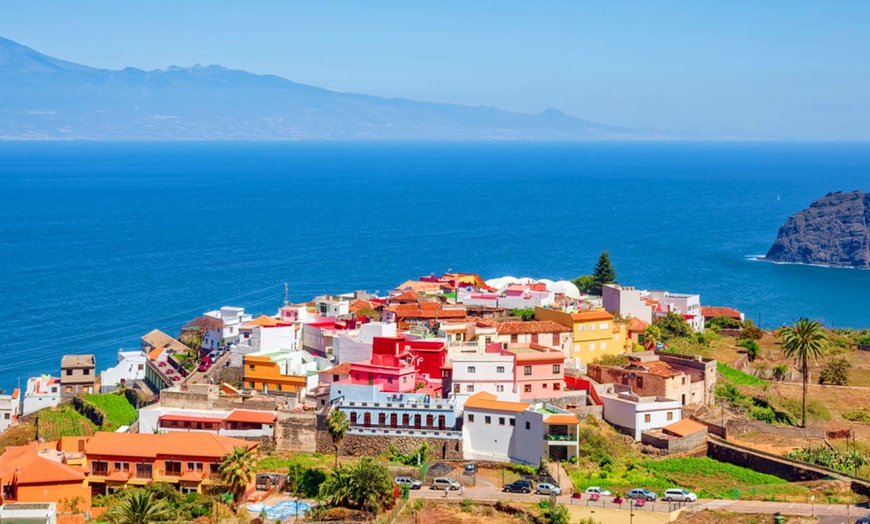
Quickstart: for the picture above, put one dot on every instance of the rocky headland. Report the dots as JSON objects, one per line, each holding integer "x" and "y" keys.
{"x": 832, "y": 231}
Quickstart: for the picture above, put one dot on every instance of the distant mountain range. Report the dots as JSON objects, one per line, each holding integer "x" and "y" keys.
{"x": 44, "y": 98}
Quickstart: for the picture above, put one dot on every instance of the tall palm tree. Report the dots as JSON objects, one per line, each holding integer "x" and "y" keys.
{"x": 237, "y": 470}
{"x": 804, "y": 340}
{"x": 139, "y": 506}
{"x": 337, "y": 425}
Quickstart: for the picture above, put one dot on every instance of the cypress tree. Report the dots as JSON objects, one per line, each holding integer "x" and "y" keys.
{"x": 604, "y": 273}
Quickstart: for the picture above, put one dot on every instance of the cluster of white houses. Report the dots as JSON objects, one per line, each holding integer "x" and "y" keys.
{"x": 439, "y": 357}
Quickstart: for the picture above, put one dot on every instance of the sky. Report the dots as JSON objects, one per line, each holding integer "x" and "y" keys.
{"x": 770, "y": 69}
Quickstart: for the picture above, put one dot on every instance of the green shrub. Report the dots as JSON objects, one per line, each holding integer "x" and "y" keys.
{"x": 467, "y": 505}
{"x": 857, "y": 415}
{"x": 738, "y": 377}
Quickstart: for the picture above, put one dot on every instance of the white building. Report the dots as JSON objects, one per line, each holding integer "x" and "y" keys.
{"x": 626, "y": 301}
{"x": 356, "y": 345}
{"x": 42, "y": 392}
{"x": 332, "y": 306}
{"x": 234, "y": 423}
{"x": 29, "y": 512}
{"x": 685, "y": 304}
{"x": 479, "y": 371}
{"x": 232, "y": 318}
{"x": 634, "y": 414}
{"x": 504, "y": 431}
{"x": 130, "y": 368}
{"x": 10, "y": 409}
{"x": 512, "y": 296}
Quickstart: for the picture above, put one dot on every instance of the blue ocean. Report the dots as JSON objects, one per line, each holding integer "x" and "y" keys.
{"x": 101, "y": 242}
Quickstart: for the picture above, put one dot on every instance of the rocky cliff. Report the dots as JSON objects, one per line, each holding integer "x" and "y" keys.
{"x": 832, "y": 231}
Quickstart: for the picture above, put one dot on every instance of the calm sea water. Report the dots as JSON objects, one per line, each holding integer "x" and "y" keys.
{"x": 101, "y": 242}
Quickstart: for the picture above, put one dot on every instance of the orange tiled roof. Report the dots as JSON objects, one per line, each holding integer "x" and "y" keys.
{"x": 595, "y": 314}
{"x": 341, "y": 369}
{"x": 561, "y": 418}
{"x": 255, "y": 417}
{"x": 484, "y": 400}
{"x": 684, "y": 427}
{"x": 147, "y": 445}
{"x": 405, "y": 296}
{"x": 155, "y": 353}
{"x": 636, "y": 325}
{"x": 191, "y": 476}
{"x": 711, "y": 311}
{"x": 32, "y": 468}
{"x": 262, "y": 321}
{"x": 360, "y": 304}
{"x": 427, "y": 310}
{"x": 536, "y": 326}
{"x": 661, "y": 369}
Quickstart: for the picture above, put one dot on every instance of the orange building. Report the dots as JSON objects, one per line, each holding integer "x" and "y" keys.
{"x": 265, "y": 373}
{"x": 187, "y": 460}
{"x": 37, "y": 473}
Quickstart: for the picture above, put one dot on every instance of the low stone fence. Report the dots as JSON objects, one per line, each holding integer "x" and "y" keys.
{"x": 743, "y": 426}
{"x": 672, "y": 444}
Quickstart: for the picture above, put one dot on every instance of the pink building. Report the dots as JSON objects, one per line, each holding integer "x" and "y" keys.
{"x": 538, "y": 370}
{"x": 402, "y": 366}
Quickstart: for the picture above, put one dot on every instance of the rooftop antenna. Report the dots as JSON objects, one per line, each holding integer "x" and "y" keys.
{"x": 286, "y": 294}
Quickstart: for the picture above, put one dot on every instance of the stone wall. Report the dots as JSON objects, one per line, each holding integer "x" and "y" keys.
{"x": 674, "y": 444}
{"x": 296, "y": 431}
{"x": 371, "y": 446}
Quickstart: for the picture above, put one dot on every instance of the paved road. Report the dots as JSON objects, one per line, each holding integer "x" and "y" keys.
{"x": 202, "y": 377}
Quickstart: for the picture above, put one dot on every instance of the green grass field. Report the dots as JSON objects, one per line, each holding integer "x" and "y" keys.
{"x": 738, "y": 377}
{"x": 118, "y": 411}
{"x": 63, "y": 421}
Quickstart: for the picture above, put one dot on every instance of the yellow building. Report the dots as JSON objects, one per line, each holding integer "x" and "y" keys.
{"x": 595, "y": 333}
{"x": 273, "y": 373}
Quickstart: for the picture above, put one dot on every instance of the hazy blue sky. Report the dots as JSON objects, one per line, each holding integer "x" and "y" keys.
{"x": 784, "y": 68}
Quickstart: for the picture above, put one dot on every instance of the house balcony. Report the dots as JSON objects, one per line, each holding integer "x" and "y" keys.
{"x": 555, "y": 438}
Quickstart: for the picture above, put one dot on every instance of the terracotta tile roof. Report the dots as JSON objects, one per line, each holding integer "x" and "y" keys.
{"x": 341, "y": 369}
{"x": 487, "y": 322}
{"x": 684, "y": 427}
{"x": 118, "y": 476}
{"x": 405, "y": 296}
{"x": 262, "y": 321}
{"x": 636, "y": 325}
{"x": 424, "y": 287}
{"x": 711, "y": 311}
{"x": 484, "y": 400}
{"x": 191, "y": 476}
{"x": 146, "y": 445}
{"x": 595, "y": 314}
{"x": 360, "y": 304}
{"x": 561, "y": 418}
{"x": 425, "y": 310}
{"x": 535, "y": 326}
{"x": 31, "y": 468}
{"x": 659, "y": 368}
{"x": 254, "y": 417}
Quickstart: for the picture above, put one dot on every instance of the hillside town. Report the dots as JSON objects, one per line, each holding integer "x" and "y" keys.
{"x": 480, "y": 381}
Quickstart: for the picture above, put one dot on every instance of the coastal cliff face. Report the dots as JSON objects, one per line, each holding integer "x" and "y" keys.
{"x": 832, "y": 231}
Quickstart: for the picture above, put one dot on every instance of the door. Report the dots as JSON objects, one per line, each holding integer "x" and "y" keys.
{"x": 367, "y": 419}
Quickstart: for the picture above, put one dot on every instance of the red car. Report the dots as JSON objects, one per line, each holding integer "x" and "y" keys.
{"x": 205, "y": 364}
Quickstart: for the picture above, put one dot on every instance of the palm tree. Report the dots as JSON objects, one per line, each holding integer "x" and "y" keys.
{"x": 339, "y": 487}
{"x": 804, "y": 340}
{"x": 237, "y": 470}
{"x": 651, "y": 335}
{"x": 139, "y": 506}
{"x": 337, "y": 425}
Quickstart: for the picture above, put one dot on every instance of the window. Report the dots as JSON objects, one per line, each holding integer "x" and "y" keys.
{"x": 581, "y": 328}
{"x": 557, "y": 386}
{"x": 556, "y": 368}
{"x": 487, "y": 419}
{"x": 86, "y": 371}
{"x": 172, "y": 467}
{"x": 592, "y": 346}
{"x": 472, "y": 369}
{"x": 100, "y": 468}
{"x": 544, "y": 385}
{"x": 604, "y": 345}
{"x": 603, "y": 325}
{"x": 499, "y": 369}
{"x": 69, "y": 389}
{"x": 194, "y": 466}
{"x": 6, "y": 416}
{"x": 389, "y": 380}
{"x": 251, "y": 384}
{"x": 512, "y": 422}
{"x": 670, "y": 415}
{"x": 404, "y": 380}
{"x": 469, "y": 388}
{"x": 278, "y": 387}
{"x": 54, "y": 389}
{"x": 144, "y": 471}
{"x": 646, "y": 418}
{"x": 527, "y": 370}
{"x": 592, "y": 327}
{"x": 684, "y": 381}
{"x": 251, "y": 367}
{"x": 514, "y": 339}
{"x": 527, "y": 388}
{"x": 639, "y": 382}
{"x": 499, "y": 388}
{"x": 501, "y": 421}
{"x": 69, "y": 372}
{"x": 528, "y": 425}
{"x": 470, "y": 417}
{"x": 121, "y": 466}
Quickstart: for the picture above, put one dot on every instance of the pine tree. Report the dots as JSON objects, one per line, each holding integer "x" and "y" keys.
{"x": 604, "y": 273}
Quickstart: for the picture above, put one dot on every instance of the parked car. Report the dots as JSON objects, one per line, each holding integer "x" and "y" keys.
{"x": 441, "y": 483}
{"x": 595, "y": 490}
{"x": 408, "y": 481}
{"x": 679, "y": 495}
{"x": 640, "y": 493}
{"x": 545, "y": 488}
{"x": 519, "y": 486}
{"x": 205, "y": 364}
{"x": 470, "y": 468}
{"x": 864, "y": 520}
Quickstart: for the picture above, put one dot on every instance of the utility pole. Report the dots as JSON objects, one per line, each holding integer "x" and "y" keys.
{"x": 286, "y": 294}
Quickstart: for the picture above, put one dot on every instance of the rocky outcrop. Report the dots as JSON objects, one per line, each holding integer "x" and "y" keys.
{"x": 832, "y": 231}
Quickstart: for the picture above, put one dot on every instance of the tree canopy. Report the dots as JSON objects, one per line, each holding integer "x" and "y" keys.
{"x": 237, "y": 470}
{"x": 805, "y": 340}
{"x": 603, "y": 274}
{"x": 365, "y": 485}
{"x": 673, "y": 325}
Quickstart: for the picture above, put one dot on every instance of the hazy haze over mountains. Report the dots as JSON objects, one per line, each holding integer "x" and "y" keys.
{"x": 42, "y": 97}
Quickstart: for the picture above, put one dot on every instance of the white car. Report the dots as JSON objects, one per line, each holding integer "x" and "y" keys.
{"x": 409, "y": 482}
{"x": 595, "y": 490}
{"x": 680, "y": 495}
{"x": 545, "y": 488}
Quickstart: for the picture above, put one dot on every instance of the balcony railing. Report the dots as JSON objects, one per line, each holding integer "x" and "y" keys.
{"x": 404, "y": 432}
{"x": 560, "y": 438}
